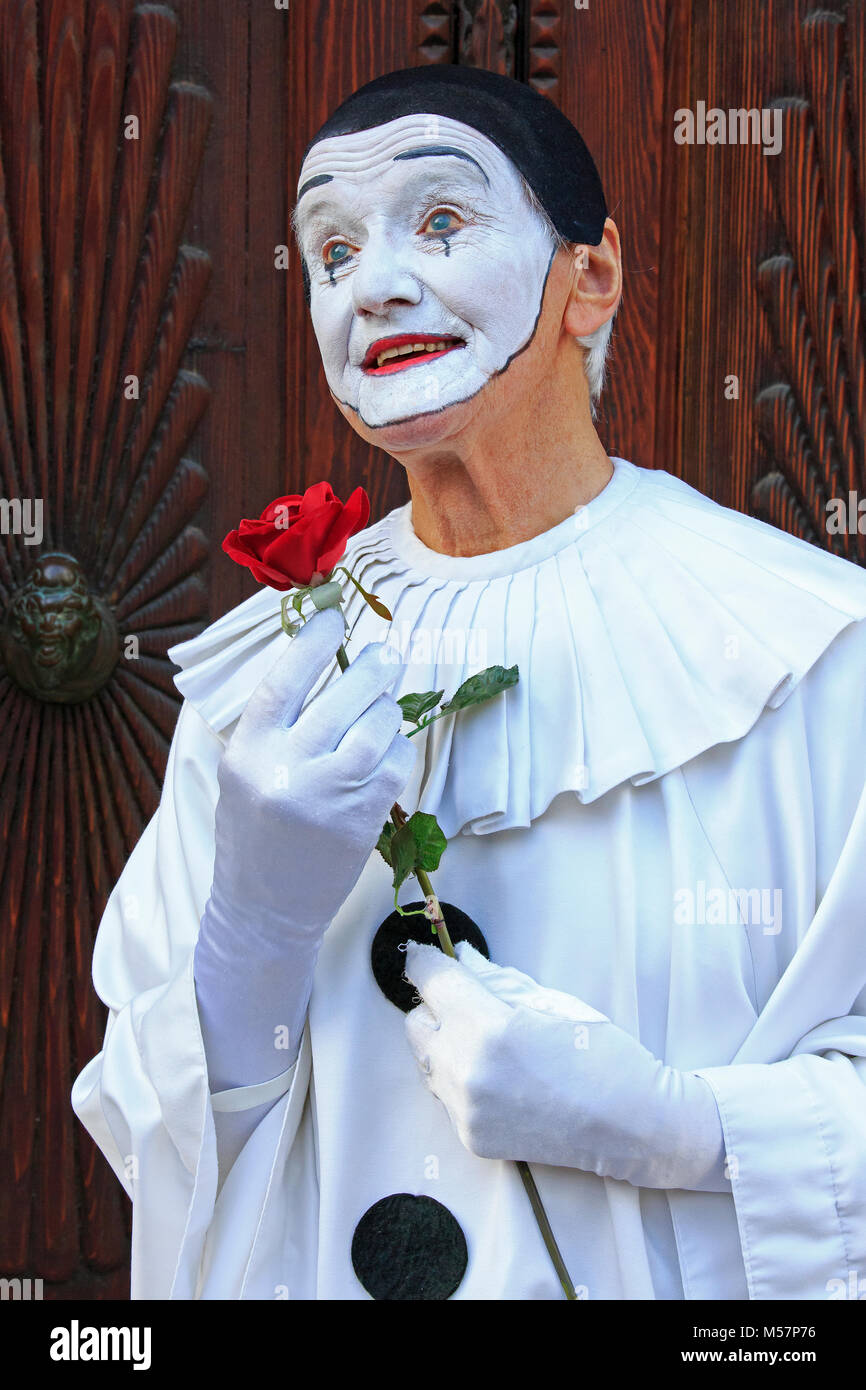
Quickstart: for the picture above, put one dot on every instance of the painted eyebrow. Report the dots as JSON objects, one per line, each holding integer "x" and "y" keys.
{"x": 313, "y": 183}
{"x": 424, "y": 150}
{"x": 421, "y": 152}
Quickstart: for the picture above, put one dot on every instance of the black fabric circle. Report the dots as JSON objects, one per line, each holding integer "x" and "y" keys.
{"x": 389, "y": 962}
{"x": 535, "y": 135}
{"x": 409, "y": 1248}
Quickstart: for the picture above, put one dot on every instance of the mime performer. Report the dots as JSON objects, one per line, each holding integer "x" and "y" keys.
{"x": 659, "y": 832}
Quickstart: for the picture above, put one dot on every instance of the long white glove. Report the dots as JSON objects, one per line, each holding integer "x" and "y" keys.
{"x": 531, "y": 1073}
{"x": 303, "y": 797}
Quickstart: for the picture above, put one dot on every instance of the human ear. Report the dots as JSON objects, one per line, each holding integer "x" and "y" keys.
{"x": 596, "y": 285}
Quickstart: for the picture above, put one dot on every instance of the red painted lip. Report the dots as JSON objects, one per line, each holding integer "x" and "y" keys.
{"x": 399, "y": 364}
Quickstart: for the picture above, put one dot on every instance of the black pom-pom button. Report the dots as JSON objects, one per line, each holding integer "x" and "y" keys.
{"x": 389, "y": 961}
{"x": 409, "y": 1248}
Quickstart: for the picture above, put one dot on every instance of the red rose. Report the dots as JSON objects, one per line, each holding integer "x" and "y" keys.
{"x": 297, "y": 537}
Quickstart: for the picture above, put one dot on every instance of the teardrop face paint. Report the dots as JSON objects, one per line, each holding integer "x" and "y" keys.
{"x": 427, "y": 266}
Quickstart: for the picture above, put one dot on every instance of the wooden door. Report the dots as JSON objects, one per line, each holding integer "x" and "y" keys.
{"x": 159, "y": 379}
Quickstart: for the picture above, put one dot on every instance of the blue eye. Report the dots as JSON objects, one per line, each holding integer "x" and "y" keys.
{"x": 442, "y": 221}
{"x": 336, "y": 253}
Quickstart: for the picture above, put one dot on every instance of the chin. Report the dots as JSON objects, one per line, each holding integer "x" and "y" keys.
{"x": 418, "y": 431}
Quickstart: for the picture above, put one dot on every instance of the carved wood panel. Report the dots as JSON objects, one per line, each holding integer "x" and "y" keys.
{"x": 100, "y": 559}
{"x": 813, "y": 420}
{"x": 762, "y": 264}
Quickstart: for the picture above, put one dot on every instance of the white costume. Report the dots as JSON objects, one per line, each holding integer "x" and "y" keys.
{"x": 665, "y": 817}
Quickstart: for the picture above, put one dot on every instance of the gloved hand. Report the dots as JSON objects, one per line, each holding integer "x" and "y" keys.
{"x": 531, "y": 1073}
{"x": 303, "y": 797}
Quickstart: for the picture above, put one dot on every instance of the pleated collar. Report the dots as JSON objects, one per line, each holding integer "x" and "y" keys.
{"x": 648, "y": 627}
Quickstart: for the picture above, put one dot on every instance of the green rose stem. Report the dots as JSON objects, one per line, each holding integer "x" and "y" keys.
{"x": 433, "y": 912}
{"x": 544, "y": 1227}
{"x": 399, "y": 817}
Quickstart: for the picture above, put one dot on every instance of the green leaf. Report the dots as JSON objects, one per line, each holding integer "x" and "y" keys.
{"x": 383, "y": 844}
{"x": 416, "y": 705}
{"x": 483, "y": 686}
{"x": 403, "y": 851}
{"x": 430, "y": 841}
{"x": 416, "y": 845}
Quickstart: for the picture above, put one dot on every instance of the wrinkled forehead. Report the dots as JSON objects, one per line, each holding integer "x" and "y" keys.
{"x": 445, "y": 145}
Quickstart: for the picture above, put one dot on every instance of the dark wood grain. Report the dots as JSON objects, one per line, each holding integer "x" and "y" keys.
{"x": 813, "y": 420}
{"x": 611, "y": 83}
{"x": 487, "y": 32}
{"x": 22, "y": 258}
{"x": 108, "y": 41}
{"x": 732, "y": 211}
{"x": 150, "y": 59}
{"x": 239, "y": 214}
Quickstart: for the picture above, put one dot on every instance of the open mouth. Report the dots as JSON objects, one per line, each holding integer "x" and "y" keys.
{"x": 403, "y": 350}
{"x": 49, "y": 653}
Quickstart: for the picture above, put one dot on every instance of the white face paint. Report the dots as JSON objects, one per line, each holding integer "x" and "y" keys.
{"x": 409, "y": 246}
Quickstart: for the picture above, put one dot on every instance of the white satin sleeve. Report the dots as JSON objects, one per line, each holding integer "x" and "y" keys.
{"x": 795, "y": 1133}
{"x": 145, "y": 1097}
{"x": 793, "y": 1107}
{"x": 795, "y": 1129}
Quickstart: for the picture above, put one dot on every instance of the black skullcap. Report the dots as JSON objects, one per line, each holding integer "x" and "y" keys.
{"x": 538, "y": 139}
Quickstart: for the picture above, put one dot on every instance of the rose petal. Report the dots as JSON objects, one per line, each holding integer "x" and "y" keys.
{"x": 312, "y": 538}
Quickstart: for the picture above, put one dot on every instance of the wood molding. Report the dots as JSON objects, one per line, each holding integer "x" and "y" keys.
{"x": 544, "y": 47}
{"x": 434, "y": 27}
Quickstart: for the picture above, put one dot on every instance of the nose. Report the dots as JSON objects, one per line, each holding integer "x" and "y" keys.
{"x": 382, "y": 280}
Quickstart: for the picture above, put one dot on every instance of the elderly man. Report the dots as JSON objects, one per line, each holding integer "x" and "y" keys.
{"x": 660, "y": 832}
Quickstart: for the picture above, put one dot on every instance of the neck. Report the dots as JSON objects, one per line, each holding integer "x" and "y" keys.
{"x": 512, "y": 474}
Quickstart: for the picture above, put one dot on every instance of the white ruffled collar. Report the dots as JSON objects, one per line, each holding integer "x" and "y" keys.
{"x": 647, "y": 628}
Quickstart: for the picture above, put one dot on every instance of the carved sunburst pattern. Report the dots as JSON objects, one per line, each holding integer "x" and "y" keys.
{"x": 814, "y": 421}
{"x": 99, "y": 151}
